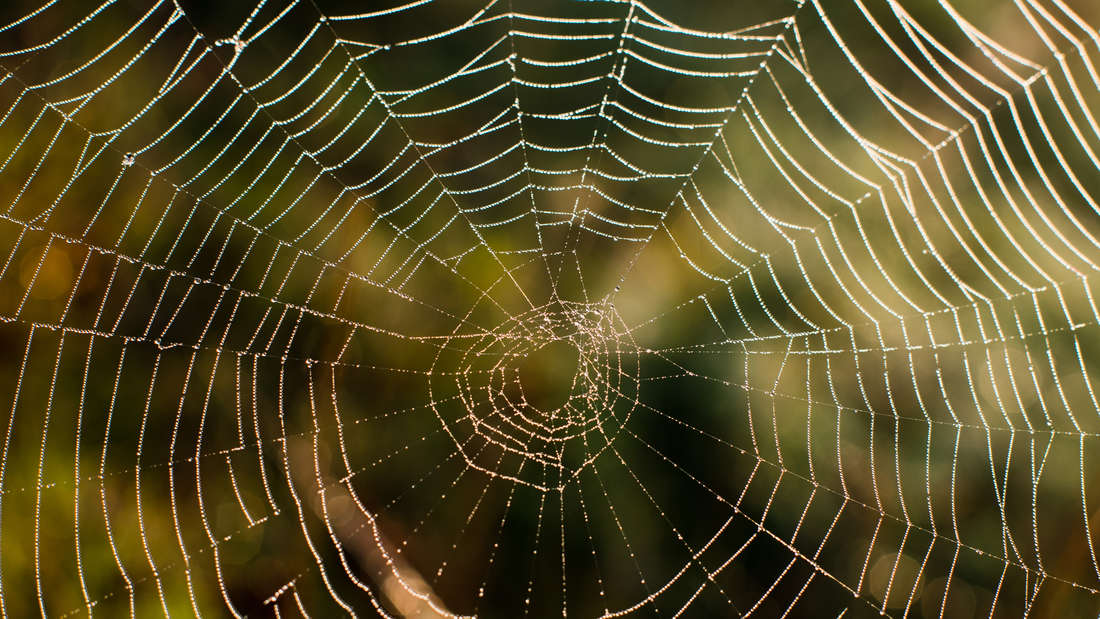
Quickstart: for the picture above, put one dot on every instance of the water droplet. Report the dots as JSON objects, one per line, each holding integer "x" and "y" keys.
{"x": 128, "y": 159}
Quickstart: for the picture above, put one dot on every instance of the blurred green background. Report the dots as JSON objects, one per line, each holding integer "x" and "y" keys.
{"x": 292, "y": 293}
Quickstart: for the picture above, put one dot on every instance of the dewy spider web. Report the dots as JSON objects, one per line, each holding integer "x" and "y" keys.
{"x": 522, "y": 308}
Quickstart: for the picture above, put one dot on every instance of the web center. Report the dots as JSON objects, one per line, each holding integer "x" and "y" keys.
{"x": 547, "y": 374}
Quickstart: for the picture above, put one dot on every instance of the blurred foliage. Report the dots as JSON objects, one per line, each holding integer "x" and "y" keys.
{"x": 251, "y": 362}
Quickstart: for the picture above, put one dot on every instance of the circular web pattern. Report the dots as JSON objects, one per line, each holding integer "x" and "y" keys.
{"x": 519, "y": 308}
{"x": 503, "y": 407}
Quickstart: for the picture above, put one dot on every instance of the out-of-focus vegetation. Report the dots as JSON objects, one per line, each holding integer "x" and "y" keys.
{"x": 794, "y": 316}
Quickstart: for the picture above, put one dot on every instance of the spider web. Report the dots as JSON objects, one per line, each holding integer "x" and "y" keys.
{"x": 523, "y": 308}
